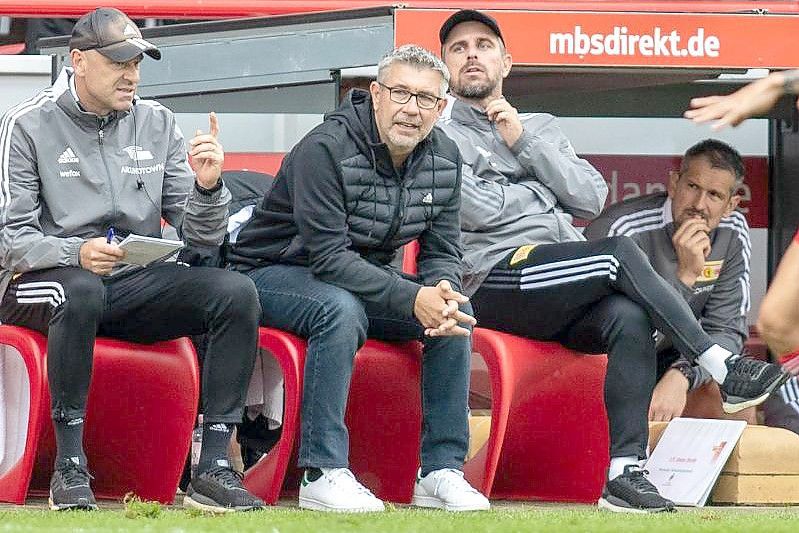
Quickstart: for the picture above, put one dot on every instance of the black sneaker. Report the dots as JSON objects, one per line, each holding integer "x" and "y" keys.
{"x": 749, "y": 382}
{"x": 631, "y": 492}
{"x": 255, "y": 439}
{"x": 219, "y": 490}
{"x": 69, "y": 487}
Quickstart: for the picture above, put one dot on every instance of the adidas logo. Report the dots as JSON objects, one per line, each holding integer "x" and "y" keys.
{"x": 130, "y": 31}
{"x": 68, "y": 156}
{"x": 219, "y": 427}
{"x": 428, "y": 198}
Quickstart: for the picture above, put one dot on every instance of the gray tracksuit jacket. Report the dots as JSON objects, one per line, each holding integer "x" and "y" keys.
{"x": 720, "y": 297}
{"x": 68, "y": 175}
{"x": 523, "y": 194}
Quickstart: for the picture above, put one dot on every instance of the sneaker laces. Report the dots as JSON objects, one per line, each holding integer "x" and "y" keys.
{"x": 452, "y": 478}
{"x": 74, "y": 474}
{"x": 225, "y": 476}
{"x": 638, "y": 480}
{"x": 345, "y": 479}
{"x": 748, "y": 366}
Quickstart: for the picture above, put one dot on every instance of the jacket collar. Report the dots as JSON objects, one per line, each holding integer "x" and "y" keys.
{"x": 463, "y": 113}
{"x": 68, "y": 101}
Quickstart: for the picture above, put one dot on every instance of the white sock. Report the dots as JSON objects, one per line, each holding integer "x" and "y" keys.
{"x": 714, "y": 361}
{"x": 617, "y": 465}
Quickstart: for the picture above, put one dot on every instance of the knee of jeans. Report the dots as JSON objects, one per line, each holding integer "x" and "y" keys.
{"x": 345, "y": 310}
{"x": 84, "y": 294}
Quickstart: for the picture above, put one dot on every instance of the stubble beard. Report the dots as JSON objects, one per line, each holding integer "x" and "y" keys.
{"x": 474, "y": 91}
{"x": 407, "y": 142}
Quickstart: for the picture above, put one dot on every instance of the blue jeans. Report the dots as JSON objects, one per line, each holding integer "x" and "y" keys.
{"x": 336, "y": 324}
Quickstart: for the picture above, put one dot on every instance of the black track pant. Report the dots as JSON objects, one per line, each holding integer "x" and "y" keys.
{"x": 72, "y": 306}
{"x": 598, "y": 296}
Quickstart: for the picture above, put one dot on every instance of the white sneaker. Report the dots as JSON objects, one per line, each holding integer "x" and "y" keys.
{"x": 447, "y": 489}
{"x": 337, "y": 491}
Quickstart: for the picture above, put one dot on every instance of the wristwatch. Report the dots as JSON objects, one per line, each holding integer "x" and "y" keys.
{"x": 208, "y": 192}
{"x": 688, "y": 372}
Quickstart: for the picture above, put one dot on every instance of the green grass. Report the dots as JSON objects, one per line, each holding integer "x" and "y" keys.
{"x": 146, "y": 517}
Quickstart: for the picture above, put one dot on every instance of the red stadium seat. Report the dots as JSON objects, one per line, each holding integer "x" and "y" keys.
{"x": 409, "y": 254}
{"x": 383, "y": 416}
{"x": 12, "y": 49}
{"x": 549, "y": 431}
{"x": 140, "y": 414}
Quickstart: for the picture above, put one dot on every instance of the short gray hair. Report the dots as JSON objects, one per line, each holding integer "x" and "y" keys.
{"x": 720, "y": 155}
{"x": 415, "y": 56}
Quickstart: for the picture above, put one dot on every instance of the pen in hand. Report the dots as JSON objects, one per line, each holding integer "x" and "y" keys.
{"x": 109, "y": 237}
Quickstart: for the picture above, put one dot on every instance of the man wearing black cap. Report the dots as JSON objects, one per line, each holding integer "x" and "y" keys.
{"x": 86, "y": 160}
{"x": 530, "y": 272}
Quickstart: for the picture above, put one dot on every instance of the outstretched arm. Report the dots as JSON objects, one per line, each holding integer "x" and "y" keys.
{"x": 753, "y": 99}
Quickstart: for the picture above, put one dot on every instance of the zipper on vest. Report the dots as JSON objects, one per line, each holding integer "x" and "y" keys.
{"x": 100, "y": 136}
{"x": 399, "y": 214}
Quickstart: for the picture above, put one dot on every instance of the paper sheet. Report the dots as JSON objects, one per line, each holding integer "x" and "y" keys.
{"x": 689, "y": 457}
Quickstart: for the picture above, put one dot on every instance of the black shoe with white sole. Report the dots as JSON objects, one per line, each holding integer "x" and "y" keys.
{"x": 749, "y": 382}
{"x": 631, "y": 492}
{"x": 69, "y": 487}
{"x": 219, "y": 490}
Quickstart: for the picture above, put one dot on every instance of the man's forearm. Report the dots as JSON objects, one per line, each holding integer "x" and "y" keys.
{"x": 789, "y": 81}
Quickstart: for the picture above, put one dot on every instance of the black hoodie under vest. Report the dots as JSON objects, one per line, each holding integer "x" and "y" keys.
{"x": 339, "y": 207}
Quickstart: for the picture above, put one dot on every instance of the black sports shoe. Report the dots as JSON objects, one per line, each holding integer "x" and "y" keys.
{"x": 749, "y": 382}
{"x": 631, "y": 492}
{"x": 69, "y": 487}
{"x": 255, "y": 439}
{"x": 219, "y": 490}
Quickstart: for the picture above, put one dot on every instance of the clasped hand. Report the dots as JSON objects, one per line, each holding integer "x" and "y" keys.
{"x": 437, "y": 310}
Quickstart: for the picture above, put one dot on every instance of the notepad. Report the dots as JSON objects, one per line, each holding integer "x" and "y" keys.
{"x": 142, "y": 250}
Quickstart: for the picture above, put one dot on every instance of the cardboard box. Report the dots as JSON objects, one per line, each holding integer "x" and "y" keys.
{"x": 479, "y": 428}
{"x": 763, "y": 467}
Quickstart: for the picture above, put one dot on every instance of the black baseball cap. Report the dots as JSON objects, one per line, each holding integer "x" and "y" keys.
{"x": 113, "y": 34}
{"x": 466, "y": 15}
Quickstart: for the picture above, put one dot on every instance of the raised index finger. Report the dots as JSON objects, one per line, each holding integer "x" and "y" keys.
{"x": 213, "y": 123}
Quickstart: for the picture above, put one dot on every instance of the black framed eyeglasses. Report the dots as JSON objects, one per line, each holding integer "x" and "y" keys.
{"x": 402, "y": 96}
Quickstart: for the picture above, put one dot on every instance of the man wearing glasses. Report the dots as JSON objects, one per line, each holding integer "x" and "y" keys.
{"x": 372, "y": 177}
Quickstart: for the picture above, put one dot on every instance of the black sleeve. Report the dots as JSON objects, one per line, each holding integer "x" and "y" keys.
{"x": 321, "y": 218}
